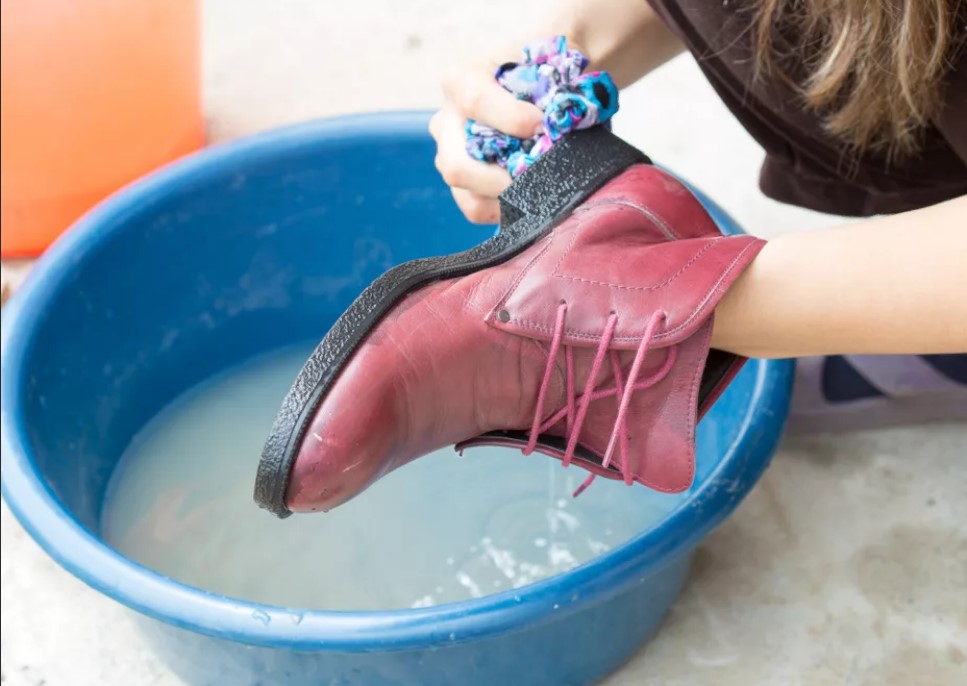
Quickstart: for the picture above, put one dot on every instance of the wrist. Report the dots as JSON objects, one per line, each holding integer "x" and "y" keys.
{"x": 625, "y": 38}
{"x": 744, "y": 315}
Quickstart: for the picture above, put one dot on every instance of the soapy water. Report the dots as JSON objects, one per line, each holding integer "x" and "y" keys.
{"x": 441, "y": 529}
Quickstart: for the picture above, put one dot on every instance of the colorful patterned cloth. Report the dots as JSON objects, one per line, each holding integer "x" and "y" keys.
{"x": 551, "y": 77}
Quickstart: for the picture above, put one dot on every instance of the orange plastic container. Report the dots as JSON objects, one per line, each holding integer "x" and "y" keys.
{"x": 95, "y": 93}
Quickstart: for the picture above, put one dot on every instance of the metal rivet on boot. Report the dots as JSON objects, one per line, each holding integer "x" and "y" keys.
{"x": 503, "y": 316}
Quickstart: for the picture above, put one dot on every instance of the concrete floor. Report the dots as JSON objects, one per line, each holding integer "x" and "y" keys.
{"x": 846, "y": 565}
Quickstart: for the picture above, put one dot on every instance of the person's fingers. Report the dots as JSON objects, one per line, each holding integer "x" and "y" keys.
{"x": 455, "y": 165}
{"x": 476, "y": 95}
{"x": 478, "y": 209}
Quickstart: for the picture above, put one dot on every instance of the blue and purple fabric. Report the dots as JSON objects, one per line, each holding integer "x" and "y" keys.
{"x": 552, "y": 78}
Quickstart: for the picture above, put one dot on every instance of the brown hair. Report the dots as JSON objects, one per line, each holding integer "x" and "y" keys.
{"x": 873, "y": 68}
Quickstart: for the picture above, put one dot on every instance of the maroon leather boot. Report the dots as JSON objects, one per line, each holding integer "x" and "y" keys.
{"x": 581, "y": 331}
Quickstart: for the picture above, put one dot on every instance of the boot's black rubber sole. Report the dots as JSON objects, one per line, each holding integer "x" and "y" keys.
{"x": 535, "y": 202}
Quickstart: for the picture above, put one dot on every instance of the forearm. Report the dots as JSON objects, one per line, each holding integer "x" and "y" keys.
{"x": 626, "y": 38}
{"x": 891, "y": 285}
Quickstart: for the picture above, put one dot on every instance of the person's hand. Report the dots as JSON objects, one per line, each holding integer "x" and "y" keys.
{"x": 622, "y": 37}
{"x": 473, "y": 93}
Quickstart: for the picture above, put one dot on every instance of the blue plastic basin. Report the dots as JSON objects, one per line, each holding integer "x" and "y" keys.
{"x": 254, "y": 245}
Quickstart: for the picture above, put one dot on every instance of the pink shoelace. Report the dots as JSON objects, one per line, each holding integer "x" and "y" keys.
{"x": 576, "y": 408}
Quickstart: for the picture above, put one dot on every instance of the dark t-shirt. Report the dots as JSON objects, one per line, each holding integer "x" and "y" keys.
{"x": 804, "y": 165}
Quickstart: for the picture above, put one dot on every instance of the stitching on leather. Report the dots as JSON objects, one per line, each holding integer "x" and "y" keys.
{"x": 591, "y": 336}
{"x": 557, "y": 267}
{"x": 708, "y": 296}
{"x": 523, "y": 272}
{"x": 537, "y": 326}
{"x": 673, "y": 277}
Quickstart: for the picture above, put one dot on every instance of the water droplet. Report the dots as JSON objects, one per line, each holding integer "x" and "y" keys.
{"x": 297, "y": 617}
{"x": 261, "y": 616}
{"x": 425, "y": 601}
{"x": 469, "y": 584}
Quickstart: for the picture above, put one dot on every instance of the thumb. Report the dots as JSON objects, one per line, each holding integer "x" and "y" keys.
{"x": 478, "y": 96}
